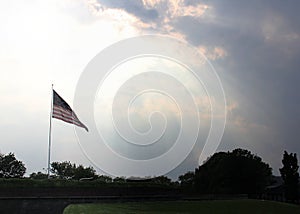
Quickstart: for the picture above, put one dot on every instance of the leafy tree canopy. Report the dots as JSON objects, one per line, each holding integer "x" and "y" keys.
{"x": 10, "y": 167}
{"x": 187, "y": 179}
{"x": 67, "y": 170}
{"x": 38, "y": 175}
{"x": 162, "y": 180}
{"x": 238, "y": 171}
{"x": 290, "y": 175}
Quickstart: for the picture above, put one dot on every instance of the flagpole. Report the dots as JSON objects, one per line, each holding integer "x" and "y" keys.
{"x": 50, "y": 132}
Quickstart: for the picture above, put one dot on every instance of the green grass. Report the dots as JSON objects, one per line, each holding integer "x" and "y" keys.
{"x": 220, "y": 206}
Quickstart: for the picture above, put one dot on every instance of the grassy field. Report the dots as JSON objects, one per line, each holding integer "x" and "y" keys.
{"x": 222, "y": 206}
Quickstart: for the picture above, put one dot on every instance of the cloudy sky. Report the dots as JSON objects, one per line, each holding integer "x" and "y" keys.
{"x": 254, "y": 47}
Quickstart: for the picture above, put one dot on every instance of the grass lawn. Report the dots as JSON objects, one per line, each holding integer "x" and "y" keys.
{"x": 220, "y": 206}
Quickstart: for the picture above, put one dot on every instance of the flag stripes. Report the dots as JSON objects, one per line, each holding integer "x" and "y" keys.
{"x": 62, "y": 111}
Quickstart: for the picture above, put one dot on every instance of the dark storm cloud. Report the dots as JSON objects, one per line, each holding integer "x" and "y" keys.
{"x": 135, "y": 7}
{"x": 262, "y": 41}
{"x": 261, "y": 69}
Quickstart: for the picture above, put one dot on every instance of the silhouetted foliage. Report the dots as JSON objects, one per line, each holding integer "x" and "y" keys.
{"x": 104, "y": 179}
{"x": 119, "y": 180}
{"x": 38, "y": 175}
{"x": 161, "y": 180}
{"x": 238, "y": 171}
{"x": 290, "y": 175}
{"x": 64, "y": 170}
{"x": 67, "y": 170}
{"x": 187, "y": 179}
{"x": 81, "y": 172}
{"x": 10, "y": 167}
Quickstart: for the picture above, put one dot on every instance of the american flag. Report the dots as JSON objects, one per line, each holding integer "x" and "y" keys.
{"x": 62, "y": 111}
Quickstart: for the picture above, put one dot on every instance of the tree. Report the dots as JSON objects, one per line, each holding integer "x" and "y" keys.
{"x": 104, "y": 179}
{"x": 64, "y": 170}
{"x": 38, "y": 175}
{"x": 290, "y": 175}
{"x": 67, "y": 170}
{"x": 10, "y": 167}
{"x": 211, "y": 176}
{"x": 81, "y": 172}
{"x": 238, "y": 171}
{"x": 162, "y": 180}
{"x": 187, "y": 180}
{"x": 119, "y": 180}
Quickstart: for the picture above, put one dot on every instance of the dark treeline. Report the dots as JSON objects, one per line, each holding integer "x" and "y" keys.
{"x": 234, "y": 172}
